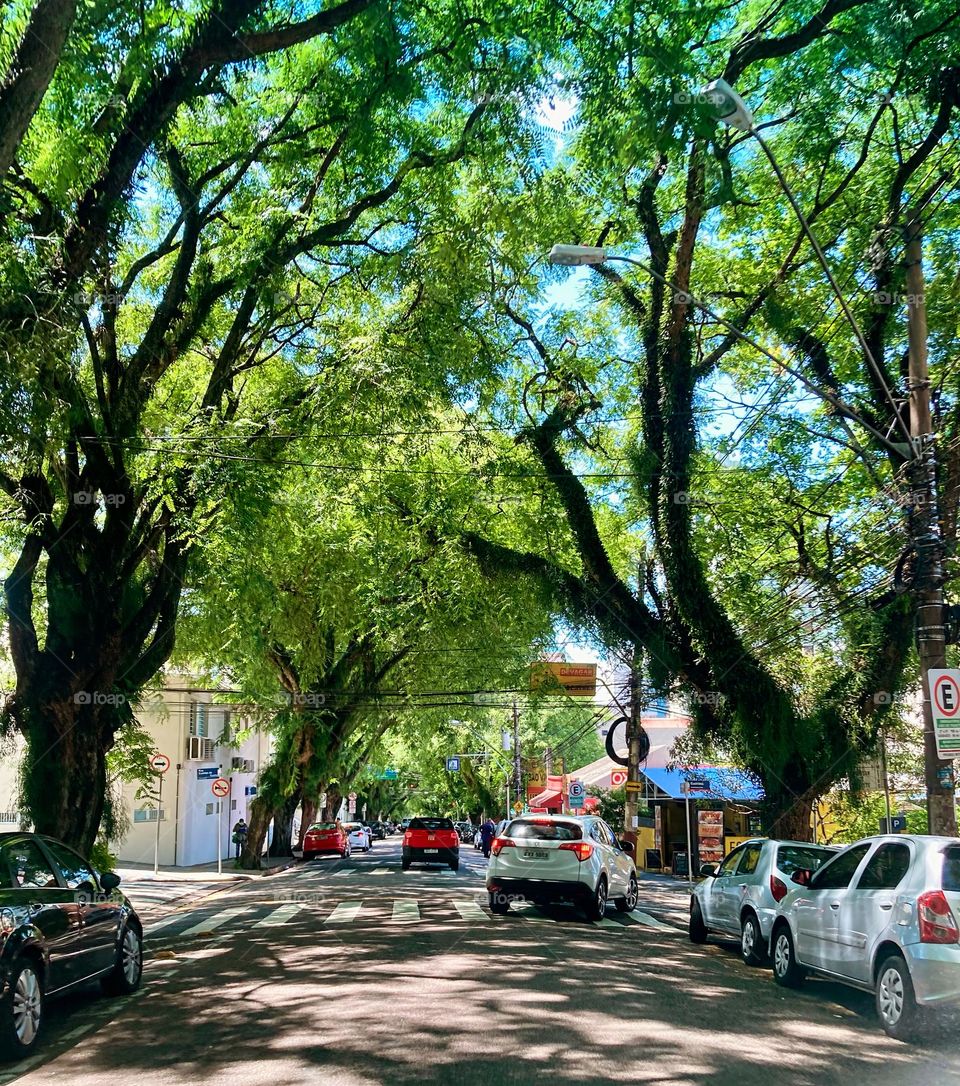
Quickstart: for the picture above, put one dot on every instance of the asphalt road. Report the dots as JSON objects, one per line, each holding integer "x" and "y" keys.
{"x": 354, "y": 972}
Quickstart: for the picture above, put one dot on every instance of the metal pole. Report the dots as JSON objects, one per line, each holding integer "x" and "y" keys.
{"x": 219, "y": 814}
{"x": 925, "y": 536}
{"x": 156, "y": 843}
{"x": 886, "y": 779}
{"x": 517, "y": 769}
{"x": 633, "y": 750}
{"x": 689, "y": 843}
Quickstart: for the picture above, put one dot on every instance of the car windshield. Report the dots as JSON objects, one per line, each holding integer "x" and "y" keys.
{"x": 951, "y": 869}
{"x": 543, "y": 830}
{"x": 791, "y": 858}
{"x": 323, "y": 826}
{"x": 431, "y": 824}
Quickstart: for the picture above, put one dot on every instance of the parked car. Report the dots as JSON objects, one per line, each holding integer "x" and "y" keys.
{"x": 404, "y": 825}
{"x": 548, "y": 858}
{"x": 465, "y": 831}
{"x": 359, "y": 836}
{"x": 882, "y": 915}
{"x": 739, "y": 896}
{"x": 324, "y": 837}
{"x": 431, "y": 841}
{"x": 378, "y": 830}
{"x": 62, "y": 924}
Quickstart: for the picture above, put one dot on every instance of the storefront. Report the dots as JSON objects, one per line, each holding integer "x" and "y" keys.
{"x": 723, "y": 806}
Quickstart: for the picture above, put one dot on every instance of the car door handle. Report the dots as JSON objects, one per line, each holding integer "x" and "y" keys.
{"x": 834, "y": 904}
{"x": 886, "y": 905}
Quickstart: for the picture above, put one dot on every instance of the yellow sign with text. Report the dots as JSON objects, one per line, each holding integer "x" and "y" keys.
{"x": 577, "y": 680}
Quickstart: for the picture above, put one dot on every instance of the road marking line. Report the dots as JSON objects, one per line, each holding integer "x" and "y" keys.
{"x": 165, "y": 923}
{"x": 406, "y": 912}
{"x": 650, "y": 921}
{"x": 212, "y": 922}
{"x": 606, "y": 922}
{"x": 278, "y": 916}
{"x": 345, "y": 913}
{"x": 380, "y": 871}
{"x": 470, "y": 910}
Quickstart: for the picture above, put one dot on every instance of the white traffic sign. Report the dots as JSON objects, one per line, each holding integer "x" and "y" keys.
{"x": 160, "y": 763}
{"x": 220, "y": 787}
{"x": 945, "y": 703}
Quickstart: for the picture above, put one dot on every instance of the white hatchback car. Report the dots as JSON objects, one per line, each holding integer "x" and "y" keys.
{"x": 358, "y": 835}
{"x": 549, "y": 858}
{"x": 883, "y": 915}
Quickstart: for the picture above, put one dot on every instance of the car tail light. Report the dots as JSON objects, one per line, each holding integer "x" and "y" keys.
{"x": 583, "y": 849}
{"x": 778, "y": 888}
{"x": 499, "y": 844}
{"x": 937, "y": 924}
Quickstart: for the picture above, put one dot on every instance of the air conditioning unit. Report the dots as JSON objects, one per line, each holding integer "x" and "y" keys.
{"x": 199, "y": 749}
{"x": 242, "y": 765}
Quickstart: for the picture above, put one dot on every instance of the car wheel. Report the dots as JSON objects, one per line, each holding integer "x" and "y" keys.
{"x": 597, "y": 905}
{"x": 21, "y": 1011}
{"x": 499, "y": 904}
{"x": 307, "y": 856}
{"x": 127, "y": 970}
{"x": 751, "y": 941}
{"x": 697, "y": 930}
{"x": 897, "y": 1006}
{"x": 629, "y": 903}
{"x": 455, "y": 866}
{"x": 405, "y": 865}
{"x": 786, "y": 972}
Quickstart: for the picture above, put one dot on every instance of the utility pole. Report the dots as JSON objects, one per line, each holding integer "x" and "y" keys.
{"x": 517, "y": 769}
{"x": 634, "y": 733}
{"x": 925, "y": 535}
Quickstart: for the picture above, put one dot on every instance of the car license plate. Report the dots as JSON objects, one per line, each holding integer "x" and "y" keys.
{"x": 535, "y": 853}
{"x": 431, "y": 850}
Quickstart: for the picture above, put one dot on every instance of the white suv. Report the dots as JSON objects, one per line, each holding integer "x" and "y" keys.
{"x": 547, "y": 858}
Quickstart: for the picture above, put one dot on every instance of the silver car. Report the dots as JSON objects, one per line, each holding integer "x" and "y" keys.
{"x": 739, "y": 897}
{"x": 883, "y": 915}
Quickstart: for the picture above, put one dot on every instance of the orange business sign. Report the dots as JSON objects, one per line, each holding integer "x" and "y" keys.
{"x": 578, "y": 680}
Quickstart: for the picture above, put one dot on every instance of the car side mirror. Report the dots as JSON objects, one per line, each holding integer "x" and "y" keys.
{"x": 627, "y": 846}
{"x": 802, "y": 876}
{"x": 708, "y": 871}
{"x": 109, "y": 880}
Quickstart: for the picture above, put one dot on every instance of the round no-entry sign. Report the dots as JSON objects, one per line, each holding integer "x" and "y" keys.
{"x": 618, "y": 778}
{"x": 220, "y": 787}
{"x": 159, "y": 763}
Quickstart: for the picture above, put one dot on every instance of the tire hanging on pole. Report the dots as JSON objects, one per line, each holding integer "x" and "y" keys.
{"x": 622, "y": 759}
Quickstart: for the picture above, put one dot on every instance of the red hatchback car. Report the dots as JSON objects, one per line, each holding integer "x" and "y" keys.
{"x": 325, "y": 837}
{"x": 431, "y": 841}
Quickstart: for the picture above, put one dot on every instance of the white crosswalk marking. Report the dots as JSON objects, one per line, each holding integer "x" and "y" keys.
{"x": 606, "y": 922}
{"x": 470, "y": 910}
{"x": 212, "y": 922}
{"x": 165, "y": 923}
{"x": 278, "y": 916}
{"x": 406, "y": 911}
{"x": 345, "y": 913}
{"x": 650, "y": 921}
{"x": 381, "y": 871}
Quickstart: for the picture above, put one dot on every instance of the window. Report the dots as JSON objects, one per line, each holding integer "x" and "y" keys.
{"x": 75, "y": 871}
{"x": 729, "y": 865}
{"x": 23, "y": 866}
{"x": 543, "y": 830}
{"x": 886, "y": 868}
{"x": 198, "y": 718}
{"x": 209, "y": 808}
{"x": 431, "y": 824}
{"x": 792, "y": 858}
{"x": 148, "y": 814}
{"x": 751, "y": 857}
{"x": 836, "y": 874}
{"x": 951, "y": 869}
{"x": 606, "y": 835}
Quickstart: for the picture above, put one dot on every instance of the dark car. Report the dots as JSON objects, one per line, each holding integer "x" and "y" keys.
{"x": 430, "y": 841}
{"x": 61, "y": 925}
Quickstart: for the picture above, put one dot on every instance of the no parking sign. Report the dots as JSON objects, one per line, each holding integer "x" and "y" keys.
{"x": 945, "y": 702}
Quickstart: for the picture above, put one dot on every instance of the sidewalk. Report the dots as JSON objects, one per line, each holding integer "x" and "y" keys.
{"x": 137, "y": 872}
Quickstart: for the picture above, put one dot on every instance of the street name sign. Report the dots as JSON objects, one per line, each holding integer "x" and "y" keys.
{"x": 945, "y": 703}
{"x": 208, "y": 773}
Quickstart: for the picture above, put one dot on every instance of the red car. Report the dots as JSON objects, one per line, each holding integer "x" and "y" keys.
{"x": 325, "y": 837}
{"x": 431, "y": 841}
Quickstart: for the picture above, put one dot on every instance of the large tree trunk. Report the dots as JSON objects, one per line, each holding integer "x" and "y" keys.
{"x": 793, "y": 822}
{"x": 307, "y": 816}
{"x": 260, "y": 815}
{"x": 282, "y": 842}
{"x": 334, "y": 799}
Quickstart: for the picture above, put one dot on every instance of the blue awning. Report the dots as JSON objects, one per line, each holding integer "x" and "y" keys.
{"x": 728, "y": 784}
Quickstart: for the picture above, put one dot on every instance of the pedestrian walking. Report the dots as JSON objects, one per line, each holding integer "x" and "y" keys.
{"x": 487, "y": 833}
{"x": 239, "y": 835}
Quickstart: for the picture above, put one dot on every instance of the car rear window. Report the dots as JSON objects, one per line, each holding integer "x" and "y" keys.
{"x": 792, "y": 858}
{"x": 544, "y": 831}
{"x": 951, "y": 869}
{"x": 323, "y": 826}
{"x": 431, "y": 824}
